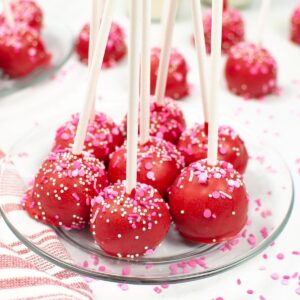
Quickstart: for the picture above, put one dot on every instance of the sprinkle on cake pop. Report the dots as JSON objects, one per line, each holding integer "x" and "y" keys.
{"x": 102, "y": 138}
{"x": 251, "y": 71}
{"x": 209, "y": 203}
{"x": 116, "y": 48}
{"x": 63, "y": 189}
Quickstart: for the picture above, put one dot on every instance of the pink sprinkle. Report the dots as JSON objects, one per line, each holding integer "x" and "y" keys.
{"x": 115, "y": 131}
{"x": 157, "y": 290}
{"x": 126, "y": 271}
{"x": 123, "y": 286}
{"x": 216, "y": 195}
{"x": 275, "y": 276}
{"x": 265, "y": 256}
{"x": 264, "y": 232}
{"x": 102, "y": 268}
{"x": 75, "y": 173}
{"x": 280, "y": 256}
{"x": 149, "y": 252}
{"x": 296, "y": 253}
{"x": 207, "y": 213}
{"x": 239, "y": 281}
{"x": 298, "y": 291}
{"x": 65, "y": 136}
{"x": 250, "y": 292}
{"x": 150, "y": 175}
{"x": 266, "y": 213}
{"x": 262, "y": 298}
{"x": 164, "y": 286}
{"x": 219, "y": 298}
{"x": 251, "y": 240}
{"x": 148, "y": 166}
{"x": 202, "y": 177}
{"x": 85, "y": 264}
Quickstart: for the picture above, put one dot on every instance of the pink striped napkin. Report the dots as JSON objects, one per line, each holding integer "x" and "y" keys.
{"x": 25, "y": 275}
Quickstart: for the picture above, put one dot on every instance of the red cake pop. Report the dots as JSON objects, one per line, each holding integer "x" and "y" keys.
{"x": 116, "y": 48}
{"x": 177, "y": 85}
{"x": 63, "y": 189}
{"x": 251, "y": 71}
{"x": 159, "y": 163}
{"x": 166, "y": 121}
{"x": 129, "y": 225}
{"x": 21, "y": 51}
{"x": 26, "y": 13}
{"x": 233, "y": 30}
{"x": 209, "y": 203}
{"x": 295, "y": 26}
{"x": 103, "y": 136}
{"x": 193, "y": 145}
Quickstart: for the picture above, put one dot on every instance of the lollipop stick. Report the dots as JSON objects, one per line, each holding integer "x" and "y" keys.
{"x": 262, "y": 19}
{"x": 100, "y": 45}
{"x": 145, "y": 72}
{"x": 97, "y": 11}
{"x": 167, "y": 32}
{"x": 132, "y": 119}
{"x": 8, "y": 13}
{"x": 201, "y": 54}
{"x": 216, "y": 38}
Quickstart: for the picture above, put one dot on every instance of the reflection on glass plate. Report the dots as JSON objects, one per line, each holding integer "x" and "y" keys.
{"x": 58, "y": 41}
{"x": 268, "y": 182}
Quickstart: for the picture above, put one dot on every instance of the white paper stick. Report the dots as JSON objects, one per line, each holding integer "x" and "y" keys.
{"x": 216, "y": 41}
{"x": 201, "y": 54}
{"x": 100, "y": 45}
{"x": 145, "y": 72}
{"x": 168, "y": 19}
{"x": 8, "y": 13}
{"x": 262, "y": 20}
{"x": 133, "y": 97}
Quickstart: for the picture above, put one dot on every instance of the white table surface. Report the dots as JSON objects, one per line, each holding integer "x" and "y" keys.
{"x": 276, "y": 118}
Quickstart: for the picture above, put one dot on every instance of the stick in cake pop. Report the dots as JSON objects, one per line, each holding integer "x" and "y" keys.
{"x": 201, "y": 56}
{"x": 208, "y": 200}
{"x": 8, "y": 13}
{"x": 129, "y": 218}
{"x": 250, "y": 70}
{"x": 170, "y": 10}
{"x": 100, "y": 45}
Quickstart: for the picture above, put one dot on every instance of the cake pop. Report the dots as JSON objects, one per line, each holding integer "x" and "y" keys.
{"x": 27, "y": 13}
{"x": 129, "y": 225}
{"x": 116, "y": 48}
{"x": 177, "y": 84}
{"x": 209, "y": 203}
{"x": 21, "y": 51}
{"x": 63, "y": 189}
{"x": 159, "y": 163}
{"x": 193, "y": 145}
{"x": 251, "y": 71}
{"x": 103, "y": 136}
{"x": 295, "y": 26}
{"x": 233, "y": 30}
{"x": 166, "y": 120}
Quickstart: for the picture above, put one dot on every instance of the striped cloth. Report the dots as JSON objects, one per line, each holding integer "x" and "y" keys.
{"x": 25, "y": 275}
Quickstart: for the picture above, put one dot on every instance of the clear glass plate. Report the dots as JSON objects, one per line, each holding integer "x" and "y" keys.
{"x": 271, "y": 191}
{"x": 59, "y": 42}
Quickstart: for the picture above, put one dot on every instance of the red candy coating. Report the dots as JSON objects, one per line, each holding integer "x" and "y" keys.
{"x": 63, "y": 189}
{"x": 129, "y": 225}
{"x": 159, "y": 163}
{"x": 116, "y": 48}
{"x": 209, "y": 204}
{"x": 295, "y": 26}
{"x": 166, "y": 121}
{"x": 26, "y": 13}
{"x": 177, "y": 85}
{"x": 233, "y": 30}
{"x": 21, "y": 51}
{"x": 193, "y": 145}
{"x": 251, "y": 71}
{"x": 103, "y": 136}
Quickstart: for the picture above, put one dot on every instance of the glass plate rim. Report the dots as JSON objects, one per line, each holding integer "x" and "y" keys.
{"x": 152, "y": 281}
